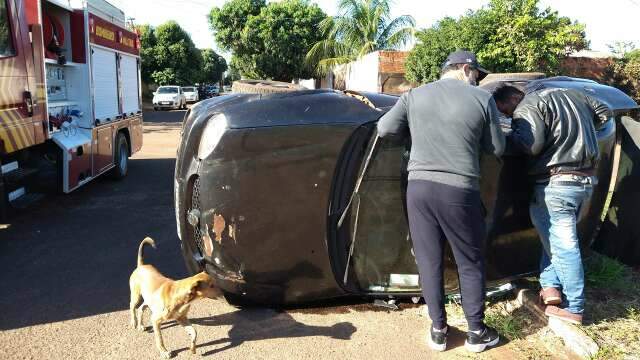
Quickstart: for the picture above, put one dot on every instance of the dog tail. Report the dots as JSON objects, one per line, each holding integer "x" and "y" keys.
{"x": 146, "y": 240}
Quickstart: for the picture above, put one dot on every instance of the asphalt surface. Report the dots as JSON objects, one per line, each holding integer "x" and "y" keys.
{"x": 65, "y": 264}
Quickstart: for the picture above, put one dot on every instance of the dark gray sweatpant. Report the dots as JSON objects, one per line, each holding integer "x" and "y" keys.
{"x": 438, "y": 212}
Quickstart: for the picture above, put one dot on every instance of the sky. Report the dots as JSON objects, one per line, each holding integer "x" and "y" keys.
{"x": 606, "y": 21}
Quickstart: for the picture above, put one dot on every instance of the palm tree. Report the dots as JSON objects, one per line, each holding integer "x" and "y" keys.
{"x": 361, "y": 27}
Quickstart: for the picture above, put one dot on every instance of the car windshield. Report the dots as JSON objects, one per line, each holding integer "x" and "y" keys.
{"x": 189, "y": 89}
{"x": 168, "y": 90}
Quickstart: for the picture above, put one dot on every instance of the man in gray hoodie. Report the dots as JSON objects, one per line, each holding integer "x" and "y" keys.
{"x": 450, "y": 122}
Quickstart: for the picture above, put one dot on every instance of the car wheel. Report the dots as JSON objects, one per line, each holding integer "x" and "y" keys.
{"x": 155, "y": 108}
{"x": 184, "y": 105}
{"x": 121, "y": 157}
{"x": 263, "y": 87}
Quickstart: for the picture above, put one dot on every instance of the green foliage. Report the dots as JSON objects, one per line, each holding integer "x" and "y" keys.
{"x": 625, "y": 75}
{"x": 168, "y": 55}
{"x": 178, "y": 60}
{"x": 507, "y": 36}
{"x": 632, "y": 55}
{"x": 606, "y": 273}
{"x": 148, "y": 42}
{"x": 228, "y": 22}
{"x": 362, "y": 26}
{"x": 268, "y": 41}
{"x": 213, "y": 67}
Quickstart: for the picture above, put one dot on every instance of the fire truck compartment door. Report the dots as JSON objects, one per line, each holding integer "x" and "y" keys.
{"x": 129, "y": 81}
{"x": 105, "y": 84}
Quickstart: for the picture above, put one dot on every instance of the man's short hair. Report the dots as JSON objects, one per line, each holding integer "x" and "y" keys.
{"x": 451, "y": 67}
{"x": 504, "y": 93}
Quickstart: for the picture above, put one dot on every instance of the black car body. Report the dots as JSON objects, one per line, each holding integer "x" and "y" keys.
{"x": 262, "y": 181}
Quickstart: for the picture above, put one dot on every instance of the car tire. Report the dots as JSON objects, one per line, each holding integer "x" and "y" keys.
{"x": 121, "y": 157}
{"x": 512, "y": 76}
{"x": 155, "y": 108}
{"x": 263, "y": 87}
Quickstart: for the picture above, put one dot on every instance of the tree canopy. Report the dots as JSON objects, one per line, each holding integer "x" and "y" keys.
{"x": 267, "y": 40}
{"x": 213, "y": 67}
{"x": 169, "y": 56}
{"x": 507, "y": 36}
{"x": 362, "y": 26}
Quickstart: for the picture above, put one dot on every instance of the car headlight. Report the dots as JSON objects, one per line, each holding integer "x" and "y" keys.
{"x": 211, "y": 135}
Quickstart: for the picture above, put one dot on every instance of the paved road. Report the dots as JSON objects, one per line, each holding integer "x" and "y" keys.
{"x": 65, "y": 265}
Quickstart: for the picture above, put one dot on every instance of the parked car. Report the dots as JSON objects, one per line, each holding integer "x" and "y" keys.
{"x": 289, "y": 198}
{"x": 169, "y": 97}
{"x": 190, "y": 94}
{"x": 213, "y": 90}
{"x": 227, "y": 88}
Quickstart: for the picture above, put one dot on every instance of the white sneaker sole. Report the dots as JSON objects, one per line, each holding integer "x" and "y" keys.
{"x": 436, "y": 347}
{"x": 477, "y": 348}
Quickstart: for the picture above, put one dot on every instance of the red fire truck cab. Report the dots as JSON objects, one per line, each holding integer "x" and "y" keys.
{"x": 70, "y": 101}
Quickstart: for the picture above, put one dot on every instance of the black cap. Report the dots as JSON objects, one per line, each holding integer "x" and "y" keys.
{"x": 466, "y": 57}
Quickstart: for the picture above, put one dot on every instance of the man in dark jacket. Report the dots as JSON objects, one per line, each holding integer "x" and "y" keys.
{"x": 556, "y": 128}
{"x": 450, "y": 122}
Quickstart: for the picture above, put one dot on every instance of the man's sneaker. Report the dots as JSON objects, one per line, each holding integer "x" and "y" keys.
{"x": 437, "y": 339}
{"x": 479, "y": 342}
{"x": 550, "y": 296}
{"x": 562, "y": 314}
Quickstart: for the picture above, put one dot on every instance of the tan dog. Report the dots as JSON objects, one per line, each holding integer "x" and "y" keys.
{"x": 167, "y": 299}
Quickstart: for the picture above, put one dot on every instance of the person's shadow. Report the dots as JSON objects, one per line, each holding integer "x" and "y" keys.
{"x": 253, "y": 324}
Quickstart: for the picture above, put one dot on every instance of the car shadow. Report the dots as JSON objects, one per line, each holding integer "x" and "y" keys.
{"x": 256, "y": 324}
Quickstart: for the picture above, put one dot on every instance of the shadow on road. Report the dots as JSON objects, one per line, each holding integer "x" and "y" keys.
{"x": 70, "y": 256}
{"x": 260, "y": 324}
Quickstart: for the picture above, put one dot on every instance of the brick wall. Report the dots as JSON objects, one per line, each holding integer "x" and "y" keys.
{"x": 584, "y": 67}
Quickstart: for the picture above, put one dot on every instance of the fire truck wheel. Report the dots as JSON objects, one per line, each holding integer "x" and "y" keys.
{"x": 121, "y": 157}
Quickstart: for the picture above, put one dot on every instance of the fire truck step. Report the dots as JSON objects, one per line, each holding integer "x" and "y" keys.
{"x": 26, "y": 200}
{"x": 15, "y": 179}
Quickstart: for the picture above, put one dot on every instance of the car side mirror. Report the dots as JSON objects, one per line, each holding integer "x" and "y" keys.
{"x": 155, "y": 93}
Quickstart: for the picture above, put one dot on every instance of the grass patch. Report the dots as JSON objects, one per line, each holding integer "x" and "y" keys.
{"x": 606, "y": 273}
{"x": 507, "y": 325}
{"x": 612, "y": 307}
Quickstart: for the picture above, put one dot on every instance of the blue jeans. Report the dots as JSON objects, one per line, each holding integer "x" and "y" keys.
{"x": 554, "y": 211}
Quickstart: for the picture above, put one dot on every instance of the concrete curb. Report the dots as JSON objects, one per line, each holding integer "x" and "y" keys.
{"x": 574, "y": 337}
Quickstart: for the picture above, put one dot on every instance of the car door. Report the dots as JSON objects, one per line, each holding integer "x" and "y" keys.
{"x": 375, "y": 232}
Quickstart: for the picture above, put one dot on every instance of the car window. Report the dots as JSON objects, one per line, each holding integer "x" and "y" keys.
{"x": 168, "y": 90}
{"x": 189, "y": 89}
{"x": 382, "y": 257}
{"x": 6, "y": 41}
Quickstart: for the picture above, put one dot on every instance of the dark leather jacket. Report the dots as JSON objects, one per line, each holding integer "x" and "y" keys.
{"x": 558, "y": 128}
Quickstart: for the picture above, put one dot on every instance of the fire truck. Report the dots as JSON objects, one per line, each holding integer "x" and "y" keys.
{"x": 70, "y": 98}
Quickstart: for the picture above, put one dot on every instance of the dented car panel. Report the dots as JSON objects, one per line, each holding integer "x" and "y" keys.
{"x": 261, "y": 182}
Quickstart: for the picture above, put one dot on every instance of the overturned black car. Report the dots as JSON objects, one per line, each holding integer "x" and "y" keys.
{"x": 292, "y": 197}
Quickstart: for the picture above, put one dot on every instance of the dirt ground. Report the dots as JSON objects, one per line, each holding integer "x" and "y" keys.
{"x": 65, "y": 268}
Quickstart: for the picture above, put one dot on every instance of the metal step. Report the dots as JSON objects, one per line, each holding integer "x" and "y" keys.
{"x": 26, "y": 200}
{"x": 17, "y": 178}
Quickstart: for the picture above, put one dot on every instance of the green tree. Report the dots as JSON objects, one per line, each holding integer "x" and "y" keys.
{"x": 268, "y": 41}
{"x": 147, "y": 52}
{"x": 361, "y": 27}
{"x": 507, "y": 36}
{"x": 213, "y": 67}
{"x": 178, "y": 62}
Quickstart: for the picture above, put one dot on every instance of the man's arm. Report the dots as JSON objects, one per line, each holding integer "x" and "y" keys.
{"x": 395, "y": 122}
{"x": 601, "y": 110}
{"x": 528, "y": 125}
{"x": 493, "y": 141}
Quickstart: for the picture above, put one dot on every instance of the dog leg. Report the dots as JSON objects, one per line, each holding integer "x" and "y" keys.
{"x": 159, "y": 343}
{"x": 140, "y": 312}
{"x": 191, "y": 331}
{"x": 135, "y": 300}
